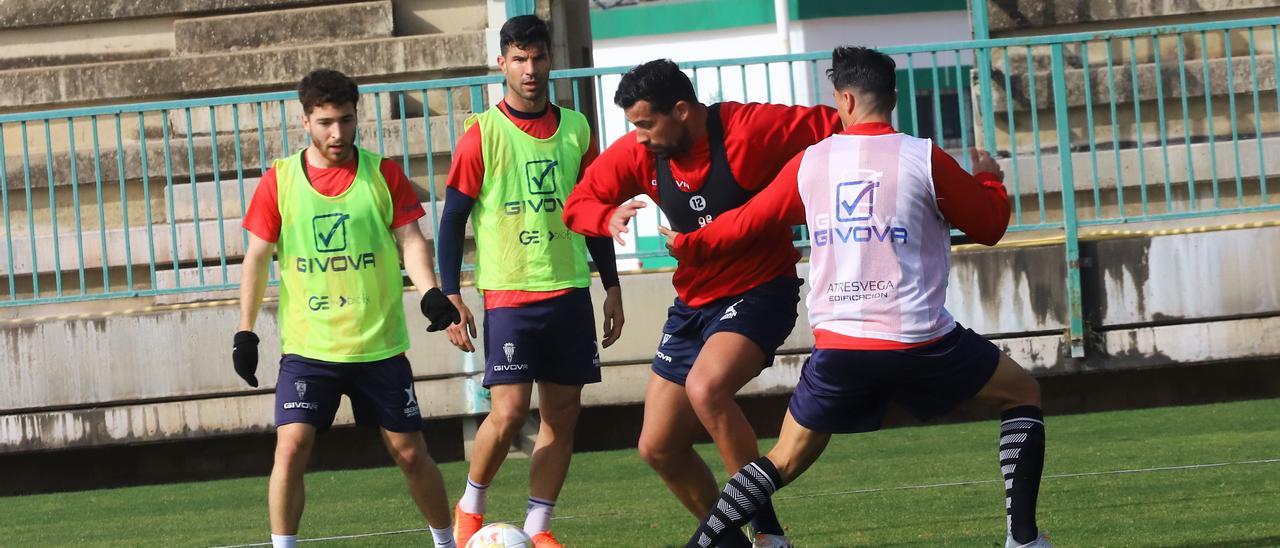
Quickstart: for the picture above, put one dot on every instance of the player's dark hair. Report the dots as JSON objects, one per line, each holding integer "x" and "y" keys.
{"x": 660, "y": 82}
{"x": 523, "y": 31}
{"x": 327, "y": 87}
{"x": 868, "y": 71}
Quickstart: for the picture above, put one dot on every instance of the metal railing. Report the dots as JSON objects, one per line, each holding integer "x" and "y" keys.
{"x": 1119, "y": 126}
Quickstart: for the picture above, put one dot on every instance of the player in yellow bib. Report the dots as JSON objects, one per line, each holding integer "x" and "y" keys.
{"x": 512, "y": 171}
{"x": 341, "y": 219}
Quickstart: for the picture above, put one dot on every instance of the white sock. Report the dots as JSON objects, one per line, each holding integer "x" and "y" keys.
{"x": 473, "y": 498}
{"x": 443, "y": 537}
{"x": 538, "y": 516}
{"x": 283, "y": 541}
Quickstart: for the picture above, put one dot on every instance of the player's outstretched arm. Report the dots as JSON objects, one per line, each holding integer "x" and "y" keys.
{"x": 976, "y": 204}
{"x": 253, "y": 284}
{"x": 614, "y": 177}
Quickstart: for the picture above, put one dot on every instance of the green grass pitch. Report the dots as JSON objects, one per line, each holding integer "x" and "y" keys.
{"x": 922, "y": 486}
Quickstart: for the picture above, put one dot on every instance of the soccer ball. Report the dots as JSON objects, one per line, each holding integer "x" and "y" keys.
{"x": 500, "y": 535}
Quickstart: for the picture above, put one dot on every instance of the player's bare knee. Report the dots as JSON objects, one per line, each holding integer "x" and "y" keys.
{"x": 509, "y": 419}
{"x": 660, "y": 456}
{"x": 707, "y": 394}
{"x": 292, "y": 451}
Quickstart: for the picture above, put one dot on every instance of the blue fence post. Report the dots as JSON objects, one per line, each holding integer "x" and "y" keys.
{"x": 1075, "y": 333}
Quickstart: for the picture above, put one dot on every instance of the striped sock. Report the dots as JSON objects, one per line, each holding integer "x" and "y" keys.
{"x": 744, "y": 495}
{"x": 1021, "y": 462}
{"x": 537, "y": 517}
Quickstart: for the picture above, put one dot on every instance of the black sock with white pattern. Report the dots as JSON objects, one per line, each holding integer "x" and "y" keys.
{"x": 1022, "y": 463}
{"x": 746, "y": 493}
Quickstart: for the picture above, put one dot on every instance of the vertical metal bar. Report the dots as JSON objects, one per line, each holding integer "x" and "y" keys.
{"x": 8, "y": 226}
{"x": 577, "y": 101}
{"x": 235, "y": 132}
{"x": 404, "y": 133}
{"x": 1275, "y": 59}
{"x": 965, "y": 160}
{"x": 813, "y": 81}
{"x": 1035, "y": 134}
{"x": 1164, "y": 139}
{"x": 75, "y": 199}
{"x": 1115, "y": 130}
{"x": 53, "y": 210}
{"x": 168, "y": 181}
{"x": 768, "y": 84}
{"x": 551, "y": 91}
{"x": 1074, "y": 300}
{"x": 1137, "y": 122}
{"x": 102, "y": 214}
{"x": 217, "y": 190}
{"x": 791, "y": 80}
{"x": 124, "y": 201}
{"x": 694, "y": 70}
{"x": 431, "y": 169}
{"x": 146, "y": 199}
{"x": 1013, "y": 137}
{"x": 377, "y": 120}
{"x": 1235, "y": 121}
{"x": 195, "y": 198}
{"x": 31, "y": 217}
{"x": 1208, "y": 107}
{"x": 746, "y": 96}
{"x": 453, "y": 139}
{"x": 911, "y": 90}
{"x": 603, "y": 115}
{"x": 938, "y": 136}
{"x": 1186, "y": 125}
{"x": 720, "y": 83}
{"x": 284, "y": 131}
{"x": 1090, "y": 128}
{"x": 1257, "y": 116}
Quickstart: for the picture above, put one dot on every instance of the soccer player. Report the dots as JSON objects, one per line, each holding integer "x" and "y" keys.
{"x": 341, "y": 219}
{"x": 879, "y": 205}
{"x": 512, "y": 170}
{"x": 697, "y": 161}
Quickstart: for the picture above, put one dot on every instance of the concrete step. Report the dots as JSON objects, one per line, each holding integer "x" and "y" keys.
{"x": 1101, "y": 84}
{"x": 1009, "y": 17}
{"x": 282, "y": 28}
{"x": 42, "y": 13}
{"x": 251, "y": 155}
{"x": 215, "y": 73}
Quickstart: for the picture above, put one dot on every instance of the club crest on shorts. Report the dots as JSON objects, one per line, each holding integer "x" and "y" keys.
{"x": 301, "y": 387}
{"x": 510, "y": 350}
{"x": 665, "y": 337}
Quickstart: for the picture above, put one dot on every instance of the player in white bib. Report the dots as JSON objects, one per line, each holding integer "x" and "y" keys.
{"x": 879, "y": 205}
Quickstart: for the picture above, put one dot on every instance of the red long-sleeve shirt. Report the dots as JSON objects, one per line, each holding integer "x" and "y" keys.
{"x": 759, "y": 139}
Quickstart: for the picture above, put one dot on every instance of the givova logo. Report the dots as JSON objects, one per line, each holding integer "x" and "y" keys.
{"x": 856, "y": 221}
{"x": 540, "y": 176}
{"x": 330, "y": 232}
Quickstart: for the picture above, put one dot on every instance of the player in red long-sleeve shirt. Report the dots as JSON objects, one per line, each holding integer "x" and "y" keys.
{"x": 880, "y": 206}
{"x": 697, "y": 161}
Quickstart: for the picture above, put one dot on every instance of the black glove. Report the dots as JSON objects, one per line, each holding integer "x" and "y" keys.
{"x": 245, "y": 356}
{"x": 439, "y": 310}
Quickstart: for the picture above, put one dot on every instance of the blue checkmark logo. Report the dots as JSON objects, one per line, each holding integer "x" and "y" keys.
{"x": 330, "y": 231}
{"x": 541, "y": 176}
{"x": 855, "y": 200}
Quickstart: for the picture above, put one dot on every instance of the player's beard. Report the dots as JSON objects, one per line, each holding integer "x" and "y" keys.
{"x": 533, "y": 96}
{"x": 681, "y": 146}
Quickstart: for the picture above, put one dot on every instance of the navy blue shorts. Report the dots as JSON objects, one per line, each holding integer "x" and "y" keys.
{"x": 552, "y": 340}
{"x": 765, "y": 314}
{"x": 848, "y": 390}
{"x": 381, "y": 392}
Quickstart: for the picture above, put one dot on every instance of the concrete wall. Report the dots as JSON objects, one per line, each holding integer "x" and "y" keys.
{"x": 164, "y": 373}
